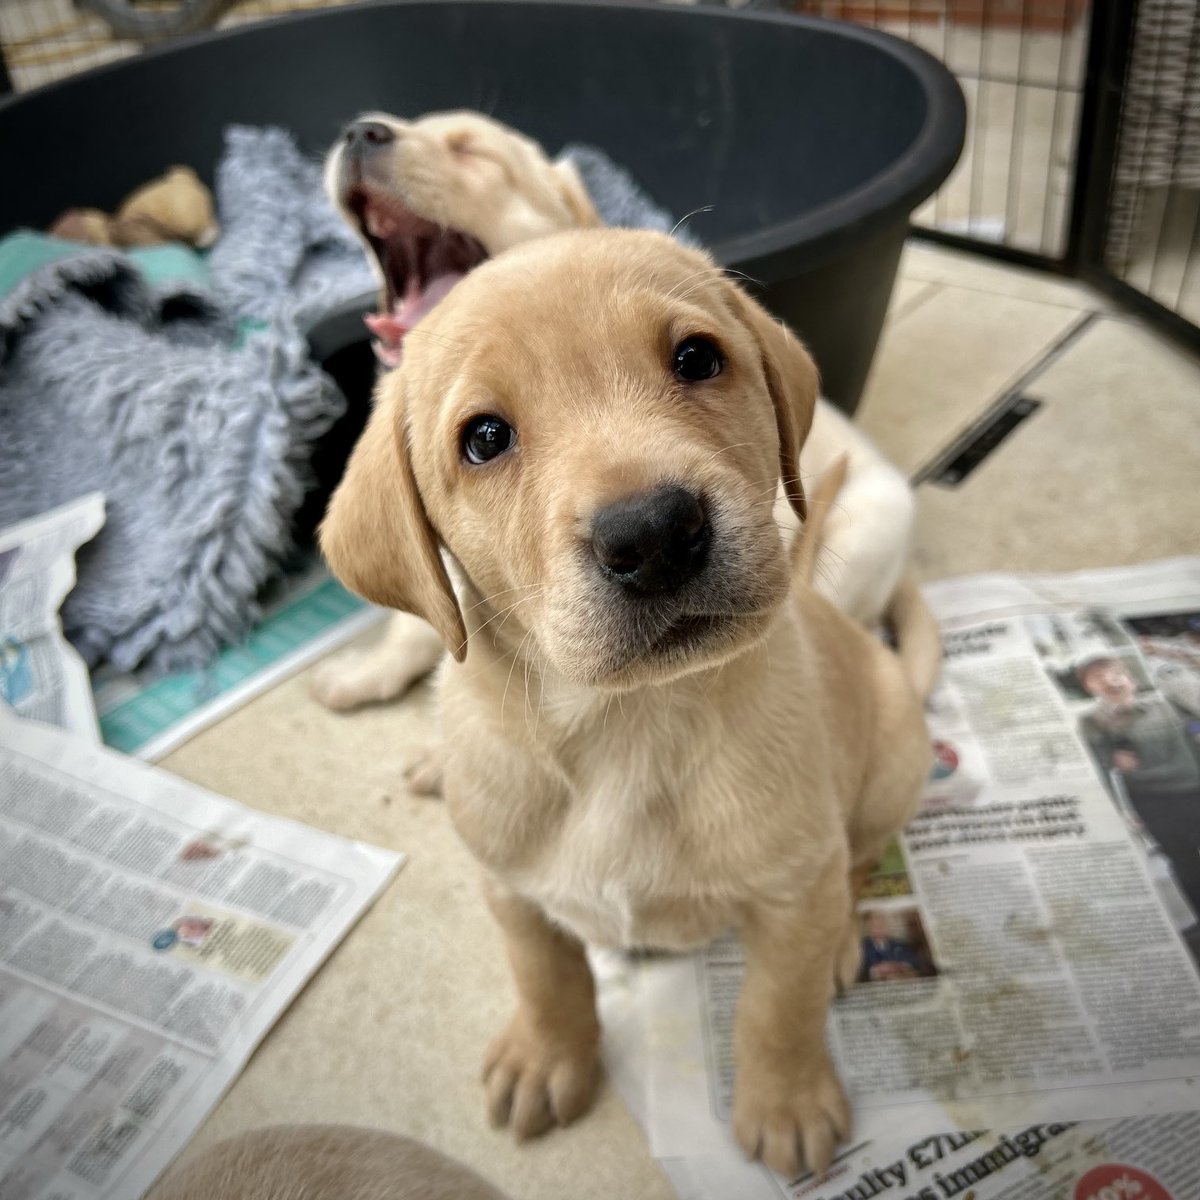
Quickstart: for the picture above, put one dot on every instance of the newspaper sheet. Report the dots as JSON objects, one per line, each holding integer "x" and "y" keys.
{"x": 150, "y": 934}
{"x": 41, "y": 676}
{"x": 1026, "y": 943}
{"x": 1146, "y": 1158}
{"x": 307, "y": 615}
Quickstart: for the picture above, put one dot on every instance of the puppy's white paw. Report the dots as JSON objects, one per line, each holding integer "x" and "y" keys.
{"x": 791, "y": 1118}
{"x": 536, "y": 1079}
{"x": 407, "y": 652}
{"x": 354, "y": 678}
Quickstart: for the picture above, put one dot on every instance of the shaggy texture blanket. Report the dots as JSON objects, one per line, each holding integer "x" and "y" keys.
{"x": 186, "y": 394}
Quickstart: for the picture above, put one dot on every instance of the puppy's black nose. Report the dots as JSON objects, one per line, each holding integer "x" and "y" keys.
{"x": 653, "y": 542}
{"x": 368, "y": 135}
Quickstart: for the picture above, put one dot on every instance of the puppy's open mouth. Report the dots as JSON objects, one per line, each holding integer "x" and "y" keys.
{"x": 420, "y": 261}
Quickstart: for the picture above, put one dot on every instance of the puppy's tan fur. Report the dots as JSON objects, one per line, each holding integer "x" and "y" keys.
{"x": 618, "y": 783}
{"x": 471, "y": 173}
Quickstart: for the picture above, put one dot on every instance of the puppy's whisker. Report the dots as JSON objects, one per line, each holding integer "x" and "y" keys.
{"x": 775, "y": 480}
{"x": 501, "y": 592}
{"x": 508, "y": 680}
{"x": 683, "y": 296}
{"x": 773, "y": 493}
{"x": 701, "y": 275}
{"x": 732, "y": 446}
{"x": 498, "y": 613}
{"x": 734, "y": 273}
{"x": 688, "y": 216}
{"x": 503, "y": 612}
{"x": 499, "y": 628}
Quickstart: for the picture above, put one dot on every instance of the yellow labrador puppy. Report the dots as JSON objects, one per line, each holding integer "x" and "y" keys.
{"x": 434, "y": 198}
{"x": 659, "y": 733}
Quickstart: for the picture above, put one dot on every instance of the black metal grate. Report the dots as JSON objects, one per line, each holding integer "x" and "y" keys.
{"x": 1022, "y": 66}
{"x": 1153, "y": 219}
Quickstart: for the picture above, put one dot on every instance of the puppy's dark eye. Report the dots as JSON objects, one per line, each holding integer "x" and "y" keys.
{"x": 483, "y": 438}
{"x": 696, "y": 358}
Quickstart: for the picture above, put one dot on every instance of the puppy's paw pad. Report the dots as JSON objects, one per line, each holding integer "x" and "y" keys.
{"x": 534, "y": 1082}
{"x": 792, "y": 1124}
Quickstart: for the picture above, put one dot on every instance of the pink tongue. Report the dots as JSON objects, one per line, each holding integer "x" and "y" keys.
{"x": 390, "y": 328}
{"x": 385, "y": 327}
{"x": 416, "y": 303}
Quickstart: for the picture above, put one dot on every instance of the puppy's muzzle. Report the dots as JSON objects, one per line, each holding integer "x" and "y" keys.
{"x": 365, "y": 137}
{"x": 654, "y": 542}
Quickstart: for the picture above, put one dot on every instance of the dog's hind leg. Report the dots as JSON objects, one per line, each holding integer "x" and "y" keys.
{"x": 866, "y": 542}
{"x": 407, "y": 652}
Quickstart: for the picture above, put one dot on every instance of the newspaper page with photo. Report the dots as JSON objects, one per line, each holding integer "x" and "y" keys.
{"x": 41, "y": 676}
{"x": 150, "y": 934}
{"x": 1028, "y": 943}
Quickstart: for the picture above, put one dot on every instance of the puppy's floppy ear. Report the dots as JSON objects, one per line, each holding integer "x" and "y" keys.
{"x": 570, "y": 187}
{"x": 793, "y": 382}
{"x": 376, "y": 535}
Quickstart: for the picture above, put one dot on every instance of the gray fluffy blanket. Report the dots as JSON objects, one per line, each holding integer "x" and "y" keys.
{"x": 200, "y": 445}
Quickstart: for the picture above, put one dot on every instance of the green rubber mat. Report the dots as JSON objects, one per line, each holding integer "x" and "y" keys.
{"x": 148, "y": 718}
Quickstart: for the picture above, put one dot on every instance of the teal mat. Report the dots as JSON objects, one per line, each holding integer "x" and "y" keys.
{"x": 24, "y": 252}
{"x": 131, "y": 723}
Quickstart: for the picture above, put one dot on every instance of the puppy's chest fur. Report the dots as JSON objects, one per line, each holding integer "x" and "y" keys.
{"x": 630, "y": 863}
{"x": 653, "y": 829}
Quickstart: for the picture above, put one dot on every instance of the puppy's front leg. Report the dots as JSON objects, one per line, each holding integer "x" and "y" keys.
{"x": 789, "y": 1108}
{"x": 542, "y": 1069}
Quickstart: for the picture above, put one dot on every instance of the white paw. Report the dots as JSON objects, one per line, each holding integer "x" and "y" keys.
{"x": 345, "y": 681}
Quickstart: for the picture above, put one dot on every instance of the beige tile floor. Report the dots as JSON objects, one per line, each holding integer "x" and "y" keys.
{"x": 391, "y": 1031}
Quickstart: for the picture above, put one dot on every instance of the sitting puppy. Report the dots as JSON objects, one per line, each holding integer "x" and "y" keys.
{"x": 434, "y": 198}
{"x": 659, "y": 733}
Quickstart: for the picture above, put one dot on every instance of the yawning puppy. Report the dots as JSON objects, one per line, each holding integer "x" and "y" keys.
{"x": 435, "y": 197}
{"x": 659, "y": 733}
